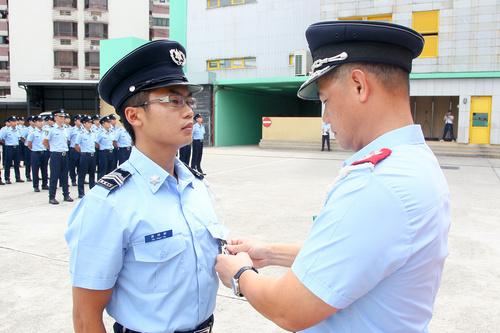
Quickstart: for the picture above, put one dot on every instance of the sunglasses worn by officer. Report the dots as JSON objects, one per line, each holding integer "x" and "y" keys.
{"x": 177, "y": 101}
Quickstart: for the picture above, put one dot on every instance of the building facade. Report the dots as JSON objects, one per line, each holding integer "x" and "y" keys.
{"x": 257, "y": 52}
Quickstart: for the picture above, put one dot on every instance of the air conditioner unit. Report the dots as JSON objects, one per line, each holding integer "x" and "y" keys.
{"x": 302, "y": 60}
{"x": 94, "y": 18}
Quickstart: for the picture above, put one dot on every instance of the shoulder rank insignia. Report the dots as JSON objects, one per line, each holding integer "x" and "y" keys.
{"x": 374, "y": 157}
{"x": 196, "y": 173}
{"x": 114, "y": 179}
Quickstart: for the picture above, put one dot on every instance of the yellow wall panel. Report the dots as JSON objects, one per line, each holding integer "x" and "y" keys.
{"x": 303, "y": 129}
{"x": 430, "y": 47}
{"x": 426, "y": 22}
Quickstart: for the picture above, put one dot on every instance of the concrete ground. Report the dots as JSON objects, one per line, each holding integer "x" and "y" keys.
{"x": 266, "y": 194}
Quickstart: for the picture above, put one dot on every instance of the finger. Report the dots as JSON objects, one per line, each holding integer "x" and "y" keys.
{"x": 235, "y": 241}
{"x": 234, "y": 249}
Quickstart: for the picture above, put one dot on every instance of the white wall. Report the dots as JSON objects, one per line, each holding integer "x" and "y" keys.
{"x": 267, "y": 30}
{"x": 128, "y": 18}
{"x": 30, "y": 34}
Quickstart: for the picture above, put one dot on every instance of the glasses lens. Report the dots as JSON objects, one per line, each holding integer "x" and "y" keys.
{"x": 191, "y": 102}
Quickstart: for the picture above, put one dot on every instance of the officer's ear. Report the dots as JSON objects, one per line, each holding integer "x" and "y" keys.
{"x": 361, "y": 84}
{"x": 134, "y": 115}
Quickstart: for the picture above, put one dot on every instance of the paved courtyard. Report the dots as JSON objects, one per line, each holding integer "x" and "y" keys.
{"x": 266, "y": 194}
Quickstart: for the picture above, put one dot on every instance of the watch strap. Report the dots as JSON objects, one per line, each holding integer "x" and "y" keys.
{"x": 243, "y": 269}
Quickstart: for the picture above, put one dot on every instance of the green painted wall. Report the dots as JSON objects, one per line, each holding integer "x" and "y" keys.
{"x": 238, "y": 114}
{"x": 178, "y": 21}
{"x": 112, "y": 50}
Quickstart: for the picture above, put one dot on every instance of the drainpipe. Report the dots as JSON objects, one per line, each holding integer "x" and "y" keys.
{"x": 432, "y": 118}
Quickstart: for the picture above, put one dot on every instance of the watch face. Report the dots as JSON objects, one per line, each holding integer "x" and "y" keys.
{"x": 236, "y": 287}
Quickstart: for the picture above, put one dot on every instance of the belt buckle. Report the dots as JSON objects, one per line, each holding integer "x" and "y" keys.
{"x": 203, "y": 330}
{"x": 63, "y": 153}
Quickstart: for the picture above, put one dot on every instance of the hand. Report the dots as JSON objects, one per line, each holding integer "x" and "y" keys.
{"x": 227, "y": 266}
{"x": 258, "y": 251}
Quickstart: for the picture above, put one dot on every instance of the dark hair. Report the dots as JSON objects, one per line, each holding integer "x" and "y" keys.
{"x": 393, "y": 78}
{"x": 140, "y": 98}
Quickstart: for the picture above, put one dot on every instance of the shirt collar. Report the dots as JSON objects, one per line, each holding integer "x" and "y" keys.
{"x": 154, "y": 175}
{"x": 408, "y": 135}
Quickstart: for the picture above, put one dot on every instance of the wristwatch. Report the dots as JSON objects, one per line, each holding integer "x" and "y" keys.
{"x": 235, "y": 282}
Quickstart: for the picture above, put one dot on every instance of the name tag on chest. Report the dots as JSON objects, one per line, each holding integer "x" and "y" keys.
{"x": 158, "y": 236}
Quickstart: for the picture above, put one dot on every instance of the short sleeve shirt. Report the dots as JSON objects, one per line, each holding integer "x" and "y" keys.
{"x": 376, "y": 251}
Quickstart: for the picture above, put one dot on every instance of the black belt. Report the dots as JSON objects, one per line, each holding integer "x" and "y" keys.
{"x": 63, "y": 153}
{"x": 107, "y": 150}
{"x": 13, "y": 146}
{"x": 89, "y": 154}
{"x": 205, "y": 327}
{"x": 126, "y": 148}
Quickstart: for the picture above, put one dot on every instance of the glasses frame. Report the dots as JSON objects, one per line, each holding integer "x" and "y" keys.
{"x": 190, "y": 101}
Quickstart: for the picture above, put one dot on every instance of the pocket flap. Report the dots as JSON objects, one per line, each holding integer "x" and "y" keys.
{"x": 218, "y": 231}
{"x": 160, "y": 250}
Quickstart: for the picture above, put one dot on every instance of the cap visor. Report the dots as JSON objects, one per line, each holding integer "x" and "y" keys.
{"x": 309, "y": 89}
{"x": 193, "y": 88}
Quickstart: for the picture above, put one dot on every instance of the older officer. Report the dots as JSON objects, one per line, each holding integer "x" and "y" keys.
{"x": 373, "y": 259}
{"x": 149, "y": 255}
{"x": 106, "y": 141}
{"x": 10, "y": 137}
{"x": 56, "y": 140}
{"x": 74, "y": 156}
{"x": 85, "y": 145}
{"x": 34, "y": 142}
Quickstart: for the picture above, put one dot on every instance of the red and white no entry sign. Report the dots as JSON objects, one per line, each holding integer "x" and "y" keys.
{"x": 266, "y": 121}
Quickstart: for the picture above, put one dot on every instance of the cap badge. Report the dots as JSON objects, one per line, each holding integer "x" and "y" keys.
{"x": 178, "y": 57}
{"x": 131, "y": 88}
{"x": 320, "y": 62}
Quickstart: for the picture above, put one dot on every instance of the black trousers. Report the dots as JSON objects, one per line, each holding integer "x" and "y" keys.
{"x": 11, "y": 159}
{"x": 325, "y": 138}
{"x": 124, "y": 154}
{"x": 58, "y": 171}
{"x": 39, "y": 163}
{"x": 74, "y": 158}
{"x": 185, "y": 154}
{"x": 448, "y": 128}
{"x": 86, "y": 167}
{"x": 197, "y": 155}
{"x": 27, "y": 162}
{"x": 22, "y": 147}
{"x": 115, "y": 157}
{"x": 106, "y": 162}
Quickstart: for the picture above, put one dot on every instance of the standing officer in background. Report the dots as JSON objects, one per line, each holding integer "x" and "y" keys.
{"x": 198, "y": 135}
{"x": 10, "y": 138}
{"x": 74, "y": 156}
{"x": 374, "y": 257}
{"x": 185, "y": 154}
{"x": 27, "y": 152}
{"x": 21, "y": 148}
{"x": 123, "y": 143}
{"x": 148, "y": 256}
{"x": 112, "y": 129}
{"x": 39, "y": 163}
{"x": 106, "y": 142}
{"x": 325, "y": 136}
{"x": 56, "y": 140}
{"x": 85, "y": 144}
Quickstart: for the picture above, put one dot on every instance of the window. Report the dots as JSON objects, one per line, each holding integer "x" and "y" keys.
{"x": 66, "y": 58}
{"x": 94, "y": 42}
{"x": 65, "y": 29}
{"x": 65, "y": 13}
{"x": 378, "y": 17}
{"x": 4, "y": 91}
{"x": 92, "y": 59}
{"x": 66, "y": 70}
{"x": 4, "y": 65}
{"x": 232, "y": 63}
{"x": 160, "y": 22}
{"x": 65, "y": 41}
{"x": 225, "y": 3}
{"x": 3, "y": 14}
{"x": 65, "y": 3}
{"x": 96, "y": 30}
{"x": 427, "y": 23}
{"x": 4, "y": 39}
{"x": 96, "y": 4}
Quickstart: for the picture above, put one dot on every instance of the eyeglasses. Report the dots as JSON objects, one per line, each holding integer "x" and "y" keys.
{"x": 177, "y": 101}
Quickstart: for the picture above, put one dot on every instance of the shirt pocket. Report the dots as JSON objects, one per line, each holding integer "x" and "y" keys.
{"x": 160, "y": 263}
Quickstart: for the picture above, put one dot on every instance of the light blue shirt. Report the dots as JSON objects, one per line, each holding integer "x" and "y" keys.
{"x": 73, "y": 133}
{"x": 95, "y": 128}
{"x": 86, "y": 140}
{"x": 160, "y": 285}
{"x": 123, "y": 139}
{"x": 26, "y": 131}
{"x": 10, "y": 136}
{"x": 377, "y": 249}
{"x": 36, "y": 138}
{"x": 58, "y": 139}
{"x": 105, "y": 139}
{"x": 198, "y": 131}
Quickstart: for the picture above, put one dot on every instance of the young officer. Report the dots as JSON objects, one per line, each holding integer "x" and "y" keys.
{"x": 74, "y": 156}
{"x": 85, "y": 144}
{"x": 374, "y": 257}
{"x": 143, "y": 241}
{"x": 198, "y": 136}
{"x": 56, "y": 140}
{"x": 39, "y": 163}
{"x": 123, "y": 143}
{"x": 106, "y": 142}
{"x": 10, "y": 137}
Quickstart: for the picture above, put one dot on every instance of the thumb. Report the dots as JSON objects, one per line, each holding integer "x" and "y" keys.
{"x": 236, "y": 248}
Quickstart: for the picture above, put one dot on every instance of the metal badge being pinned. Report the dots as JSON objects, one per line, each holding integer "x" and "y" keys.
{"x": 178, "y": 57}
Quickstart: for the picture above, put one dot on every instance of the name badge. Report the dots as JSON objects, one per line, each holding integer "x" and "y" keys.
{"x": 158, "y": 236}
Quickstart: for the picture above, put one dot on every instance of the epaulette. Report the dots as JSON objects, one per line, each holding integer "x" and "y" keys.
{"x": 374, "y": 157}
{"x": 195, "y": 173}
{"x": 114, "y": 179}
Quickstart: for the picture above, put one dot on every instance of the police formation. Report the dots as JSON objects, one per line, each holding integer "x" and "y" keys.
{"x": 72, "y": 148}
